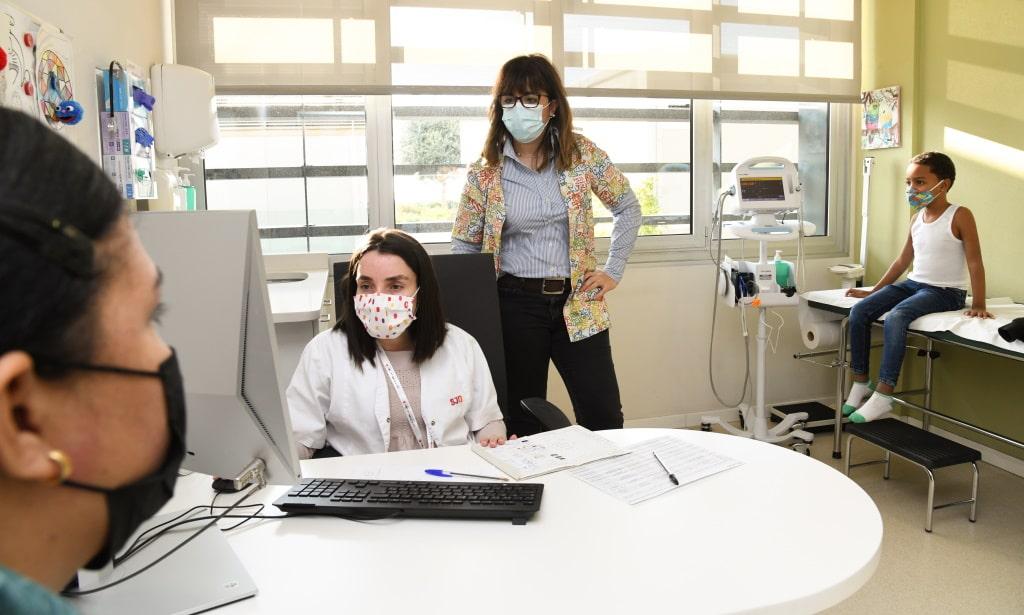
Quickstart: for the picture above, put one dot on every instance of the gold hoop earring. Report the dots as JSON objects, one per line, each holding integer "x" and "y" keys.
{"x": 63, "y": 464}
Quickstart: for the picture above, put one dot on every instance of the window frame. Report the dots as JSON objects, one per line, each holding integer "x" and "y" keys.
{"x": 693, "y": 248}
{"x": 681, "y": 248}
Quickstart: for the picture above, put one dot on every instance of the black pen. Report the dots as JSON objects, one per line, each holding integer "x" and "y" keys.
{"x": 671, "y": 476}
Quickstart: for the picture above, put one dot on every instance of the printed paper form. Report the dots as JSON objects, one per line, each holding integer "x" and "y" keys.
{"x": 637, "y": 476}
{"x": 549, "y": 451}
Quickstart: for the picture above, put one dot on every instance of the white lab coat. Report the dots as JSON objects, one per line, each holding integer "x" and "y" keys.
{"x": 332, "y": 401}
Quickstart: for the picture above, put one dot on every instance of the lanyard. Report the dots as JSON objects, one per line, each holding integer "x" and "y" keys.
{"x": 409, "y": 415}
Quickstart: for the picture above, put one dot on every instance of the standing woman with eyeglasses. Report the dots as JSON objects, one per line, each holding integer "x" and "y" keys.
{"x": 528, "y": 201}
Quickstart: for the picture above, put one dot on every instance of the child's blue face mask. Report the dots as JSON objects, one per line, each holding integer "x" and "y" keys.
{"x": 921, "y": 199}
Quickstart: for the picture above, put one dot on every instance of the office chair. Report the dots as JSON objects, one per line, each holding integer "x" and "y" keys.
{"x": 547, "y": 414}
{"x": 463, "y": 276}
{"x": 325, "y": 452}
{"x": 469, "y": 294}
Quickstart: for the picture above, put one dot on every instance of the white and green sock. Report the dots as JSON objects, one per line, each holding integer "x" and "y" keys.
{"x": 858, "y": 392}
{"x": 877, "y": 406}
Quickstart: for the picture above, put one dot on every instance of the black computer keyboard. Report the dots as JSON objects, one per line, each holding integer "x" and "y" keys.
{"x": 413, "y": 498}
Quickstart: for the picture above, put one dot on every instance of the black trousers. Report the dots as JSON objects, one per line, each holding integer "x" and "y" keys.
{"x": 534, "y": 334}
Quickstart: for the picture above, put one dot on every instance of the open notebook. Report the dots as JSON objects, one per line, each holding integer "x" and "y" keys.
{"x": 548, "y": 452}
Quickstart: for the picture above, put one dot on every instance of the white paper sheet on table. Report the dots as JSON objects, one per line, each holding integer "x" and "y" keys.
{"x": 638, "y": 476}
{"x": 984, "y": 330}
{"x": 976, "y": 329}
{"x": 832, "y": 296}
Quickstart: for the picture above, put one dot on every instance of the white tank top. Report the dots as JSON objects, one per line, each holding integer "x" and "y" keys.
{"x": 938, "y": 255}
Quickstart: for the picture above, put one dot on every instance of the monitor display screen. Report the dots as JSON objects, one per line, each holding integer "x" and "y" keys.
{"x": 762, "y": 189}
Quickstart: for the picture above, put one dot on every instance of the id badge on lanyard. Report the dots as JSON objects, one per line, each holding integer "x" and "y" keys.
{"x": 404, "y": 401}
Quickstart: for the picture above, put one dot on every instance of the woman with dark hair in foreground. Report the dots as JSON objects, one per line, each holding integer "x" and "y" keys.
{"x": 92, "y": 416}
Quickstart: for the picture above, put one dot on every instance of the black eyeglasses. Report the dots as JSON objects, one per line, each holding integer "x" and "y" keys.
{"x": 530, "y": 101}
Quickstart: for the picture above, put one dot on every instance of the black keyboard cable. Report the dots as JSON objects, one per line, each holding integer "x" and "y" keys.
{"x": 174, "y": 549}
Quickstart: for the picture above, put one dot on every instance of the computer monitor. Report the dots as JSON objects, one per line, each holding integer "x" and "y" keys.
{"x": 765, "y": 185}
{"x": 218, "y": 319}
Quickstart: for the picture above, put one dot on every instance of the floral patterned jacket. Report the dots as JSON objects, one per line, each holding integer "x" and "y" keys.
{"x": 481, "y": 215}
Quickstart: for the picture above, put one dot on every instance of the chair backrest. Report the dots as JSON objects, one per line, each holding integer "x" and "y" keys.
{"x": 547, "y": 414}
{"x": 469, "y": 296}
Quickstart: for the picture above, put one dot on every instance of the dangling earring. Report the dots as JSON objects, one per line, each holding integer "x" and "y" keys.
{"x": 63, "y": 464}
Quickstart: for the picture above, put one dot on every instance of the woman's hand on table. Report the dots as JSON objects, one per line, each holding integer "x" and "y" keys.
{"x": 497, "y": 441}
{"x": 859, "y": 293}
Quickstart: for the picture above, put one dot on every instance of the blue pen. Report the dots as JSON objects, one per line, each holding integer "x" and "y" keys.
{"x": 446, "y": 474}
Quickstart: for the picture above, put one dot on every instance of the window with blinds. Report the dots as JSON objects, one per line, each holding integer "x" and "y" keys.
{"x": 723, "y": 49}
{"x": 342, "y": 115}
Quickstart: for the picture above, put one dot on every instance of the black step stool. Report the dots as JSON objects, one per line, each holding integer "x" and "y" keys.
{"x": 919, "y": 447}
{"x": 820, "y": 418}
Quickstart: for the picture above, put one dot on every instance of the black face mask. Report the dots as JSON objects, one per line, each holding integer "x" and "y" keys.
{"x": 129, "y": 506}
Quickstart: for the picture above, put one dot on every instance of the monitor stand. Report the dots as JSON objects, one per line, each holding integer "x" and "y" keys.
{"x": 202, "y": 575}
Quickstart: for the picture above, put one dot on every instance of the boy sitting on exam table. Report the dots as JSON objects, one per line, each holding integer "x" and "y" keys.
{"x": 392, "y": 375}
{"x": 944, "y": 248}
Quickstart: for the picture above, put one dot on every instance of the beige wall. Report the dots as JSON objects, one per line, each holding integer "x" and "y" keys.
{"x": 101, "y": 31}
{"x": 887, "y": 58}
{"x": 961, "y": 65}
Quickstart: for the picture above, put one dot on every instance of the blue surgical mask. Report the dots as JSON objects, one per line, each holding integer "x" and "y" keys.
{"x": 524, "y": 124}
{"x": 921, "y": 199}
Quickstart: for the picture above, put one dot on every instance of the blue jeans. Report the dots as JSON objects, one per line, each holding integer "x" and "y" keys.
{"x": 905, "y": 301}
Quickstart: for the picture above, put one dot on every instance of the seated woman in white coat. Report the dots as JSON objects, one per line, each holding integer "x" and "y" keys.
{"x": 392, "y": 375}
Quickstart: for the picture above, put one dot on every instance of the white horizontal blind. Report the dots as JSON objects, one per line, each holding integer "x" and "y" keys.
{"x": 721, "y": 49}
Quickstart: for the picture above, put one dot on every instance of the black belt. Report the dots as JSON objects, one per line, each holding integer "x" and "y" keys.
{"x": 539, "y": 286}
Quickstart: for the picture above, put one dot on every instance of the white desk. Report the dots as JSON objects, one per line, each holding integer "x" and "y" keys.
{"x": 738, "y": 541}
{"x": 296, "y": 308}
{"x": 299, "y": 301}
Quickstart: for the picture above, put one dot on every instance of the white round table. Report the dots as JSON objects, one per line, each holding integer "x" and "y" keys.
{"x": 748, "y": 539}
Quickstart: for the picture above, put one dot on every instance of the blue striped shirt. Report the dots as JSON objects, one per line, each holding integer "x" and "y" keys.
{"x": 535, "y": 234}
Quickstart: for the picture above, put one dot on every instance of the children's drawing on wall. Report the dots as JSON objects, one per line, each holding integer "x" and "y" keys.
{"x": 36, "y": 71}
{"x": 54, "y": 77}
{"x": 17, "y": 59}
{"x": 880, "y": 120}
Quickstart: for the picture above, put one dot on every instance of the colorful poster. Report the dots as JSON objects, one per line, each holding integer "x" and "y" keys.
{"x": 54, "y": 73}
{"x": 18, "y": 33}
{"x": 880, "y": 120}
